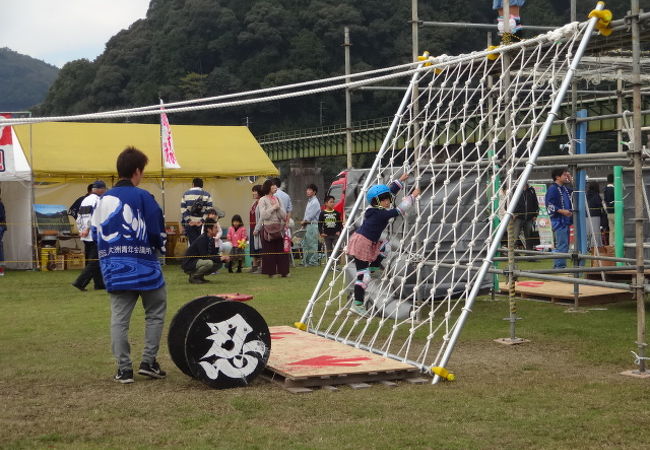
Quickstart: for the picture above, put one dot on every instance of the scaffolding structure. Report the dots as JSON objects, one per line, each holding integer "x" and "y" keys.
{"x": 605, "y": 60}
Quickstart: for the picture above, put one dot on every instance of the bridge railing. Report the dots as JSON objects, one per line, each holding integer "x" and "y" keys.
{"x": 329, "y": 130}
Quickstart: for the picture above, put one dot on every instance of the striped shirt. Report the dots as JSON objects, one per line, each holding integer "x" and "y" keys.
{"x": 189, "y": 197}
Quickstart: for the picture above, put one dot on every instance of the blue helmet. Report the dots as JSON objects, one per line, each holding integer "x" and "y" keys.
{"x": 375, "y": 191}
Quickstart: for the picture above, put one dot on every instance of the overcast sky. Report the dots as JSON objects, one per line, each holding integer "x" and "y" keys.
{"x": 58, "y": 31}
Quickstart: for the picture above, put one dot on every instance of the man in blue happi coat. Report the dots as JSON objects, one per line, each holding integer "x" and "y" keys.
{"x": 560, "y": 210}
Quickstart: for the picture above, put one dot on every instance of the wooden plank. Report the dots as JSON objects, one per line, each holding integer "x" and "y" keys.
{"x": 303, "y": 360}
{"x": 617, "y": 275}
{"x": 314, "y": 382}
{"x": 556, "y": 291}
{"x": 296, "y": 353}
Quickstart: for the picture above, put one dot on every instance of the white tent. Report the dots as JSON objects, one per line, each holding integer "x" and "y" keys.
{"x": 16, "y": 194}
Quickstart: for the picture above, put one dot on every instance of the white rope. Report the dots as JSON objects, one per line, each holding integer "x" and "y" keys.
{"x": 297, "y": 89}
{"x": 437, "y": 250}
{"x": 637, "y": 358}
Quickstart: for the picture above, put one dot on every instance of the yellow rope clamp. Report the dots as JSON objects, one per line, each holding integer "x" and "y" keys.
{"x": 300, "y": 326}
{"x": 493, "y": 56}
{"x": 604, "y": 20}
{"x": 424, "y": 57}
{"x": 443, "y": 373}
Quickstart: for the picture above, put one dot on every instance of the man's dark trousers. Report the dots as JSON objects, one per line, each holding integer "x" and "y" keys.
{"x": 92, "y": 270}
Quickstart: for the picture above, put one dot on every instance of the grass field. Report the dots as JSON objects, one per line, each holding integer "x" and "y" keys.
{"x": 561, "y": 390}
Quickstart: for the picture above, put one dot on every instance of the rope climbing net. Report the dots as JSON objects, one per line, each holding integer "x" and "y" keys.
{"x": 467, "y": 125}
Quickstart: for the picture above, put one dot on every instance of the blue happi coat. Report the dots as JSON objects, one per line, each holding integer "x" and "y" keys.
{"x": 558, "y": 197}
{"x": 129, "y": 226}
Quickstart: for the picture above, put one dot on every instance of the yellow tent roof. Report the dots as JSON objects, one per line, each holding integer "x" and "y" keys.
{"x": 91, "y": 149}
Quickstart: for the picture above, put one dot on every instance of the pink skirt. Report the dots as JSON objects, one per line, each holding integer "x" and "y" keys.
{"x": 363, "y": 248}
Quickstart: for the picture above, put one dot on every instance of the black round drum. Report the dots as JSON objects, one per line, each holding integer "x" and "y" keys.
{"x": 220, "y": 342}
{"x": 178, "y": 329}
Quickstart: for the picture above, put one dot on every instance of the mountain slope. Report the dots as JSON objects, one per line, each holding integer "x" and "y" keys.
{"x": 24, "y": 80}
{"x": 187, "y": 49}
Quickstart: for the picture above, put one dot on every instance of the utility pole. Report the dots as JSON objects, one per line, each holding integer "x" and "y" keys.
{"x": 348, "y": 102}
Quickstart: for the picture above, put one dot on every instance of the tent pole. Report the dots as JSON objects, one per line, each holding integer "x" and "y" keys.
{"x": 35, "y": 260}
{"x": 162, "y": 171}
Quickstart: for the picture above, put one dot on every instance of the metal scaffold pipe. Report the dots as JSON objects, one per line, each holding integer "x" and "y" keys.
{"x": 480, "y": 26}
{"x": 639, "y": 216}
{"x": 517, "y": 192}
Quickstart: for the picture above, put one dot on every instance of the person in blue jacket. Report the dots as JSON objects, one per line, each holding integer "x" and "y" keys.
{"x": 130, "y": 231}
{"x": 560, "y": 210}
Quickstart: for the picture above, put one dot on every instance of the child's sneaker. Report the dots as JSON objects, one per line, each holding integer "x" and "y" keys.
{"x": 359, "y": 309}
{"x": 152, "y": 370}
{"x": 124, "y": 376}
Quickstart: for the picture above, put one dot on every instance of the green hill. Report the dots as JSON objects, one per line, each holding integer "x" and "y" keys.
{"x": 24, "y": 80}
{"x": 187, "y": 49}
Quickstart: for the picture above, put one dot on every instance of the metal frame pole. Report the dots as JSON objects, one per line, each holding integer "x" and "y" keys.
{"x": 487, "y": 262}
{"x": 637, "y": 155}
{"x": 579, "y": 225}
{"x": 348, "y": 101}
{"x": 619, "y": 110}
{"x": 496, "y": 185}
{"x": 512, "y": 239}
{"x": 619, "y": 226}
{"x": 415, "y": 108}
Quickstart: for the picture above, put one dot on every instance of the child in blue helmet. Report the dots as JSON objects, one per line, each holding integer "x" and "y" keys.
{"x": 364, "y": 245}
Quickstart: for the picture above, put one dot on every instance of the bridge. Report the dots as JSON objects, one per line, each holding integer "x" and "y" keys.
{"x": 368, "y": 135}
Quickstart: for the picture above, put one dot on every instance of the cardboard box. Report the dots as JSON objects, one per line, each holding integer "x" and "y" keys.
{"x": 607, "y": 250}
{"x": 75, "y": 261}
{"x": 60, "y": 262}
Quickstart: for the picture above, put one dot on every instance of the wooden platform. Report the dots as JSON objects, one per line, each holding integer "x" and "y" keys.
{"x": 618, "y": 275}
{"x": 301, "y": 360}
{"x": 557, "y": 292}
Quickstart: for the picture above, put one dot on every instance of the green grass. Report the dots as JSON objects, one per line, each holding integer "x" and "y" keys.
{"x": 561, "y": 390}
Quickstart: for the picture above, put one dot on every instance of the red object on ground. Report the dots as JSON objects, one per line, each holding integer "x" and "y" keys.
{"x": 279, "y": 335}
{"x": 329, "y": 360}
{"x": 236, "y": 297}
{"x": 530, "y": 283}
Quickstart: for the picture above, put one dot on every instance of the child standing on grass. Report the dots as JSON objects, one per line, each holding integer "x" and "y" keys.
{"x": 329, "y": 224}
{"x": 237, "y": 236}
{"x": 364, "y": 245}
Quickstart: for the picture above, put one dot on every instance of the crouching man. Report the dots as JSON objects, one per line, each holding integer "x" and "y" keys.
{"x": 202, "y": 257}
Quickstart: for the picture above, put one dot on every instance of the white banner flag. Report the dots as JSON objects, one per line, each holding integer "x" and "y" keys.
{"x": 169, "y": 157}
{"x": 6, "y": 149}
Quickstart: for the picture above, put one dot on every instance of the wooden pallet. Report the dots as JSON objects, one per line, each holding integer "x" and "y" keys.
{"x": 558, "y": 292}
{"x": 300, "y": 361}
{"x": 618, "y": 275}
